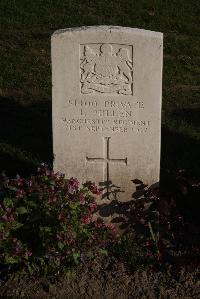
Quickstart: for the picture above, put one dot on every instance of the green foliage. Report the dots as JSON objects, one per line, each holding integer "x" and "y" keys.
{"x": 161, "y": 224}
{"x": 133, "y": 254}
{"x": 47, "y": 223}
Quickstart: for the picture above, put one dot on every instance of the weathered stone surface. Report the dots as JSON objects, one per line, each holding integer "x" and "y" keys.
{"x": 107, "y": 86}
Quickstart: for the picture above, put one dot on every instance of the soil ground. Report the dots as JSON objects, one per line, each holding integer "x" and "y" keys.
{"x": 118, "y": 284}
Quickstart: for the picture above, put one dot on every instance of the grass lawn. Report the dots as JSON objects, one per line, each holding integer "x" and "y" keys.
{"x": 25, "y": 78}
{"x": 26, "y": 131}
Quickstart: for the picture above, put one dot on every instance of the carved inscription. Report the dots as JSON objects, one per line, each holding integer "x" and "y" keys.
{"x": 107, "y": 116}
{"x": 106, "y": 160}
{"x": 106, "y": 69}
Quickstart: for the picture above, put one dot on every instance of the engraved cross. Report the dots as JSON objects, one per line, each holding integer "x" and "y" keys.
{"x": 106, "y": 160}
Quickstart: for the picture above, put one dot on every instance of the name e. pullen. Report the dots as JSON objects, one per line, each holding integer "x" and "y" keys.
{"x": 107, "y": 113}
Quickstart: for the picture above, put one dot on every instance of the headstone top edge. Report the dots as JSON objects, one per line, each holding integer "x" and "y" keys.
{"x": 108, "y": 28}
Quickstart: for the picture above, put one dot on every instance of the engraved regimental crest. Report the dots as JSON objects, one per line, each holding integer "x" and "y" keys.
{"x": 106, "y": 68}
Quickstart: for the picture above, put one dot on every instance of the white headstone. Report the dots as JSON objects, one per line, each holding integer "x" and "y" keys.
{"x": 107, "y": 89}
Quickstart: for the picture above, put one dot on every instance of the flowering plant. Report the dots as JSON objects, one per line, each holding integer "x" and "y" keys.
{"x": 47, "y": 222}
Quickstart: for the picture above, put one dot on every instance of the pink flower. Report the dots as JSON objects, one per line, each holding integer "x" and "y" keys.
{"x": 92, "y": 207}
{"x": 48, "y": 172}
{"x": 51, "y": 199}
{"x": 70, "y": 240}
{"x": 95, "y": 190}
{"x": 20, "y": 193}
{"x": 27, "y": 253}
{"x": 85, "y": 219}
{"x": 110, "y": 225}
{"x": 92, "y": 187}
{"x": 5, "y": 217}
{"x": 159, "y": 256}
{"x": 72, "y": 185}
{"x": 17, "y": 248}
{"x": 142, "y": 221}
{"x": 61, "y": 217}
{"x": 59, "y": 237}
{"x": 59, "y": 175}
{"x": 19, "y": 181}
{"x": 30, "y": 184}
{"x": 99, "y": 224}
{"x": 61, "y": 258}
{"x": 82, "y": 198}
{"x": 147, "y": 244}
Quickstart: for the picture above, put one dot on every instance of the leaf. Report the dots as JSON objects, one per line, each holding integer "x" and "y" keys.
{"x": 12, "y": 188}
{"x": 31, "y": 204}
{"x": 11, "y": 260}
{"x": 1, "y": 225}
{"x": 8, "y": 202}
{"x": 141, "y": 187}
{"x": 76, "y": 257}
{"x": 35, "y": 218}
{"x": 103, "y": 252}
{"x": 41, "y": 261}
{"x": 137, "y": 182}
{"x": 30, "y": 268}
{"x": 118, "y": 219}
{"x": 74, "y": 206}
{"x": 60, "y": 245}
{"x": 16, "y": 225}
{"x": 52, "y": 182}
{"x": 45, "y": 229}
{"x": 21, "y": 210}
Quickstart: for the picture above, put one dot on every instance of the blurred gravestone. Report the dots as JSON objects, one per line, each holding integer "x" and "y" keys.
{"x": 107, "y": 86}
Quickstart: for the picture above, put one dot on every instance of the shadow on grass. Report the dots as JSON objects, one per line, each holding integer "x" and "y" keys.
{"x": 25, "y": 135}
{"x": 179, "y": 151}
{"x": 166, "y": 216}
{"x": 189, "y": 115}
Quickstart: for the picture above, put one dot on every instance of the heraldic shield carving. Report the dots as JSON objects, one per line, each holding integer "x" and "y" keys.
{"x": 106, "y": 68}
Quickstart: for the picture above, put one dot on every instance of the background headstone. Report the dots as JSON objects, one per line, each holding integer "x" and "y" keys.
{"x": 107, "y": 89}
